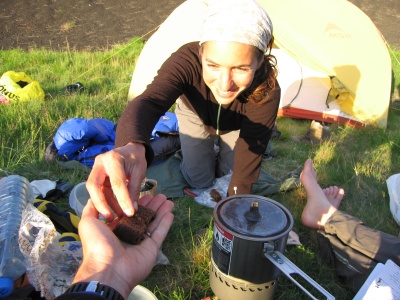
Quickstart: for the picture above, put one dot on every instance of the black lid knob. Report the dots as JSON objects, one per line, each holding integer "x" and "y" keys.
{"x": 253, "y": 215}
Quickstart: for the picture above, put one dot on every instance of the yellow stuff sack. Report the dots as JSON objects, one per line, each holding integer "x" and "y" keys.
{"x": 17, "y": 86}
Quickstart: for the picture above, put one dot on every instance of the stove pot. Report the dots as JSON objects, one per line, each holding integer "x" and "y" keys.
{"x": 250, "y": 235}
{"x": 245, "y": 227}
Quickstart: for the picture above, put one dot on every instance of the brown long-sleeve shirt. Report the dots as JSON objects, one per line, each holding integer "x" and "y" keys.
{"x": 181, "y": 76}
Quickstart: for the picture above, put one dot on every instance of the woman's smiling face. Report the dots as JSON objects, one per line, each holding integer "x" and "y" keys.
{"x": 228, "y": 68}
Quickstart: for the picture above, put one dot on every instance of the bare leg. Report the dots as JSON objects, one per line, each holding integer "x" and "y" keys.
{"x": 318, "y": 208}
{"x": 354, "y": 248}
{"x": 334, "y": 195}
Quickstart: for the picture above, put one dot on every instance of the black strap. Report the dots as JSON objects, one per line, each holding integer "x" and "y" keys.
{"x": 103, "y": 290}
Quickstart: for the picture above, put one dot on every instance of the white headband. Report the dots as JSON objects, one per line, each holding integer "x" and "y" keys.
{"x": 243, "y": 21}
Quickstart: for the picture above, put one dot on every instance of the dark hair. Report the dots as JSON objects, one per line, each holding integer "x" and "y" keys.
{"x": 265, "y": 77}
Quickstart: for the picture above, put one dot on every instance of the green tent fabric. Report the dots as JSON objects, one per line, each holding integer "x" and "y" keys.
{"x": 170, "y": 181}
{"x": 268, "y": 185}
{"x": 172, "y": 184}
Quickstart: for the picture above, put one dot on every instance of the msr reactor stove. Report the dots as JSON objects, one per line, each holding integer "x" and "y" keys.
{"x": 250, "y": 235}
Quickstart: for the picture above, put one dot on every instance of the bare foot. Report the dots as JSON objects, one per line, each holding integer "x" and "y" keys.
{"x": 334, "y": 195}
{"x": 318, "y": 209}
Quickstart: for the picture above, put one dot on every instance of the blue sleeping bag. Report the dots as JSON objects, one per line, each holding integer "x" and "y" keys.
{"x": 167, "y": 124}
{"x": 82, "y": 140}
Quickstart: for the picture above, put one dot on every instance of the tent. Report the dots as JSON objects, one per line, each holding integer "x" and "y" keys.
{"x": 333, "y": 63}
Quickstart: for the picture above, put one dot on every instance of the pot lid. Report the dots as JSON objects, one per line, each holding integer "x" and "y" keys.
{"x": 253, "y": 216}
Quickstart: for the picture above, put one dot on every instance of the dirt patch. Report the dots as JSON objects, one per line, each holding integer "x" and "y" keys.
{"x": 386, "y": 16}
{"x": 98, "y": 24}
{"x": 80, "y": 25}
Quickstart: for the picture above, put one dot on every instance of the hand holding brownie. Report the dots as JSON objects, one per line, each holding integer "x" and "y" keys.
{"x": 108, "y": 260}
{"x": 115, "y": 180}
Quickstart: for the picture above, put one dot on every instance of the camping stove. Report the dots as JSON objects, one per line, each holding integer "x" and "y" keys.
{"x": 228, "y": 287}
{"x": 250, "y": 235}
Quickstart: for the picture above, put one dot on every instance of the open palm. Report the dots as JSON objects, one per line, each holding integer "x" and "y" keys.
{"x": 113, "y": 262}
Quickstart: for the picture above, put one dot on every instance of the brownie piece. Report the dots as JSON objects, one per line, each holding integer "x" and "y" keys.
{"x": 131, "y": 230}
{"x": 215, "y": 195}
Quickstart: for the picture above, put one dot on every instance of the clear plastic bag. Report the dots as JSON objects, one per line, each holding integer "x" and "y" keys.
{"x": 50, "y": 267}
{"x": 220, "y": 185}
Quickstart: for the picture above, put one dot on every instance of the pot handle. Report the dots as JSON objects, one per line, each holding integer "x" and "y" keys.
{"x": 288, "y": 268}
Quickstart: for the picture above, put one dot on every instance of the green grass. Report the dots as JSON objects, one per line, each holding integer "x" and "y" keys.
{"x": 359, "y": 160}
